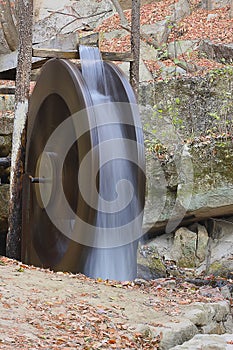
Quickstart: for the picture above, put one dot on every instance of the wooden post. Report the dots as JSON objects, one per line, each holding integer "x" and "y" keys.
{"x": 135, "y": 45}
{"x": 25, "y": 17}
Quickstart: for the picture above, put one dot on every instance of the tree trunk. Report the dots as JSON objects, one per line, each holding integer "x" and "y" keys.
{"x": 8, "y": 26}
{"x": 25, "y": 12}
{"x": 135, "y": 45}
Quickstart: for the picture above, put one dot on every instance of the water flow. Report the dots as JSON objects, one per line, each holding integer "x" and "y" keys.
{"x": 120, "y": 262}
{"x": 93, "y": 70}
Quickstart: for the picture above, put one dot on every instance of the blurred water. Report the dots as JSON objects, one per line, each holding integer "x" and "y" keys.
{"x": 116, "y": 179}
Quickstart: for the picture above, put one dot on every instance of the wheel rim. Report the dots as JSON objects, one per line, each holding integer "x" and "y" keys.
{"x": 59, "y": 93}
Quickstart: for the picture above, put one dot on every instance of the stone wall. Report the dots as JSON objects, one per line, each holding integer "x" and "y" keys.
{"x": 6, "y": 128}
{"x": 188, "y": 136}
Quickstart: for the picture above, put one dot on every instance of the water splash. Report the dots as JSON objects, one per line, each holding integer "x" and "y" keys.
{"x": 117, "y": 180}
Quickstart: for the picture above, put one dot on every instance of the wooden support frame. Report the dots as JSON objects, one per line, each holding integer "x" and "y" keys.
{"x": 74, "y": 54}
{"x": 20, "y": 70}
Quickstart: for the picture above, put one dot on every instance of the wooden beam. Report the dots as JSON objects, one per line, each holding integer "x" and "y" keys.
{"x": 73, "y": 54}
{"x": 5, "y": 90}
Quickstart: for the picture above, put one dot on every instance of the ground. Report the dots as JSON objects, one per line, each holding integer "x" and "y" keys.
{"x": 41, "y": 309}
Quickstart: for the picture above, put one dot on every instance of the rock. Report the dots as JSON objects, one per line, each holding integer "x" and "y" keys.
{"x": 181, "y": 10}
{"x": 214, "y": 4}
{"x": 163, "y": 244}
{"x": 5, "y": 145}
{"x": 6, "y": 104}
{"x": 177, "y": 333}
{"x": 180, "y": 47}
{"x": 144, "y": 73}
{"x": 116, "y": 33}
{"x": 150, "y": 265}
{"x": 170, "y": 112}
{"x": 157, "y": 30}
{"x": 202, "y": 242}
{"x": 172, "y": 71}
{"x": 207, "y": 342}
{"x": 6, "y": 125}
{"x": 4, "y": 175}
{"x": 219, "y": 260}
{"x": 184, "y": 247}
{"x": 219, "y": 52}
{"x": 147, "y": 52}
{"x": 54, "y": 17}
{"x": 210, "y": 318}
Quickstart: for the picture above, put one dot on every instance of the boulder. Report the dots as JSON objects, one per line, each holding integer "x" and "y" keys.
{"x": 67, "y": 16}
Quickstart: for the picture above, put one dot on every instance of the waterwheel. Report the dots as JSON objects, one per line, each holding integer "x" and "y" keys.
{"x": 77, "y": 147}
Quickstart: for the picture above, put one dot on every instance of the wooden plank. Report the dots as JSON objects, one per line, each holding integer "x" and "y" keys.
{"x": 5, "y": 90}
{"x": 8, "y": 75}
{"x": 73, "y": 54}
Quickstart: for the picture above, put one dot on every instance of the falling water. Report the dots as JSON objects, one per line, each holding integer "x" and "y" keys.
{"x": 118, "y": 262}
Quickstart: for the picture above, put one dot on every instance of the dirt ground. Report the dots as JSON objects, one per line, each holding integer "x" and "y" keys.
{"x": 41, "y": 309}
